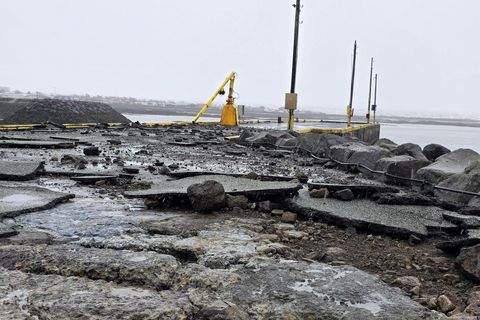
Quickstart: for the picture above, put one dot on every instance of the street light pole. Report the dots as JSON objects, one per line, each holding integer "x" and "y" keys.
{"x": 352, "y": 87}
{"x": 370, "y": 92}
{"x": 294, "y": 63}
{"x": 374, "y": 107}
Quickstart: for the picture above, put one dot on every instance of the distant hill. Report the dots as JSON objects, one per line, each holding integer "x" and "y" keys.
{"x": 28, "y": 111}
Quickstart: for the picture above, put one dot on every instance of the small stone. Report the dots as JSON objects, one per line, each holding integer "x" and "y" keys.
{"x": 415, "y": 291}
{"x": 288, "y": 217}
{"x": 300, "y": 175}
{"x": 91, "y": 151}
{"x": 272, "y": 248}
{"x": 236, "y": 201}
{"x": 344, "y": 195}
{"x": 277, "y": 212}
{"x": 265, "y": 206}
{"x": 251, "y": 175}
{"x": 150, "y": 203}
{"x": 319, "y": 193}
{"x": 413, "y": 240}
{"x": 237, "y": 210}
{"x": 432, "y": 303}
{"x": 407, "y": 282}
{"x": 292, "y": 234}
{"x": 444, "y": 304}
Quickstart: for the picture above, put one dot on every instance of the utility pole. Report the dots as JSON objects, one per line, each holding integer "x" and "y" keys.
{"x": 374, "y": 106}
{"x": 352, "y": 86}
{"x": 370, "y": 92}
{"x": 291, "y": 99}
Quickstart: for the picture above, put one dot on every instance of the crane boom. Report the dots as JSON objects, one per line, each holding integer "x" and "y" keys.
{"x": 230, "y": 78}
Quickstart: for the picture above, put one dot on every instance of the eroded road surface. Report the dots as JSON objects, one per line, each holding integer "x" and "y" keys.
{"x": 102, "y": 228}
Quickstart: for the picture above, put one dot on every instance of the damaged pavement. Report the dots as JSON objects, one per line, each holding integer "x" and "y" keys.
{"x": 204, "y": 222}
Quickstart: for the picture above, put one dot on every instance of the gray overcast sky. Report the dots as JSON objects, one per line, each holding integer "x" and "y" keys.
{"x": 427, "y": 51}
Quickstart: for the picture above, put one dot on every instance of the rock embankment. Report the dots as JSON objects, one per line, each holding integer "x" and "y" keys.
{"x": 58, "y": 111}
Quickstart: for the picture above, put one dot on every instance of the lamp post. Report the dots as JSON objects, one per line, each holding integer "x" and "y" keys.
{"x": 370, "y": 92}
{"x": 291, "y": 98}
{"x": 352, "y": 87}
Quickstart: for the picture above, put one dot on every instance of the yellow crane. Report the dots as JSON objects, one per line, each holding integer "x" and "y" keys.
{"x": 229, "y": 112}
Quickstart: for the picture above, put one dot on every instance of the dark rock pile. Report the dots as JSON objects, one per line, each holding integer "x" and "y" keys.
{"x": 60, "y": 111}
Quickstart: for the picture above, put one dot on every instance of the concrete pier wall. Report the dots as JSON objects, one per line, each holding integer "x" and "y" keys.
{"x": 368, "y": 133}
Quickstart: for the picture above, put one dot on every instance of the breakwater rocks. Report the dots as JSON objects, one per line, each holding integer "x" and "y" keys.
{"x": 23, "y": 111}
{"x": 190, "y": 222}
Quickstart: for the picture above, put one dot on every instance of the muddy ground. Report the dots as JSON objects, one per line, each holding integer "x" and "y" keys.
{"x": 199, "y": 264}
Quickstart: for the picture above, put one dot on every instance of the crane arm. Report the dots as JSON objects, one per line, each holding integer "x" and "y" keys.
{"x": 230, "y": 77}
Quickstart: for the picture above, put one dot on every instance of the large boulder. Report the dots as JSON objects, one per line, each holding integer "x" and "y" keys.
{"x": 469, "y": 180}
{"x": 410, "y": 149}
{"x": 469, "y": 262}
{"x": 433, "y": 151}
{"x": 320, "y": 144}
{"x": 402, "y": 166}
{"x": 447, "y": 165}
{"x": 386, "y": 144}
{"x": 358, "y": 153}
{"x": 267, "y": 138}
{"x": 206, "y": 196}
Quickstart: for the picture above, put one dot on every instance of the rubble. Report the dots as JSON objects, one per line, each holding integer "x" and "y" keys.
{"x": 268, "y": 250}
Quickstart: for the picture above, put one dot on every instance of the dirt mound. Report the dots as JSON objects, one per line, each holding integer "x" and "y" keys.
{"x": 59, "y": 111}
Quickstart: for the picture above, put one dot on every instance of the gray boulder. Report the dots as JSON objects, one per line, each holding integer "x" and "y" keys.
{"x": 475, "y": 203}
{"x": 469, "y": 262}
{"x": 410, "y": 149}
{"x": 433, "y": 151}
{"x": 447, "y": 165}
{"x": 206, "y": 196}
{"x": 403, "y": 166}
{"x": 386, "y": 144}
{"x": 469, "y": 180}
{"x": 344, "y": 195}
{"x": 266, "y": 138}
{"x": 358, "y": 153}
{"x": 319, "y": 144}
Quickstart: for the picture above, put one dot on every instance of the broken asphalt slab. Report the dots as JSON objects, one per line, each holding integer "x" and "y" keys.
{"x": 92, "y": 179}
{"x": 57, "y": 297}
{"x": 15, "y": 201}
{"x": 189, "y": 173}
{"x": 234, "y": 186}
{"x": 19, "y": 170}
{"x": 148, "y": 269}
{"x": 283, "y": 289}
{"x": 397, "y": 220}
{"x": 35, "y": 144}
{"x": 454, "y": 246}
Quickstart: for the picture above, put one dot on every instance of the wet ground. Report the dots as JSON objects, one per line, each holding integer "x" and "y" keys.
{"x": 102, "y": 255}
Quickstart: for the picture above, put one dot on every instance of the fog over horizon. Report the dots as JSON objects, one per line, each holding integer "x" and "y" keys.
{"x": 426, "y": 52}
